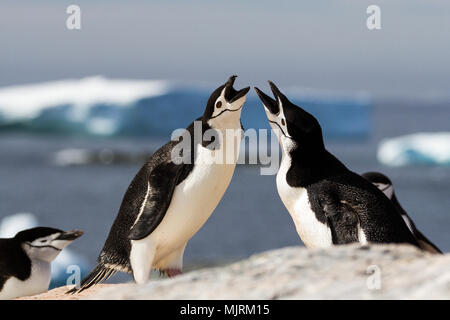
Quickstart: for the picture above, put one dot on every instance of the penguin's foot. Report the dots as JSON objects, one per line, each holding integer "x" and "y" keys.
{"x": 173, "y": 272}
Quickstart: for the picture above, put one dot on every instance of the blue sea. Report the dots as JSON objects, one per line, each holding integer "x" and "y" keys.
{"x": 250, "y": 218}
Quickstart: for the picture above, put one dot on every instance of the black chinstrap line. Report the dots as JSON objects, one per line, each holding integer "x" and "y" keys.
{"x": 281, "y": 129}
{"x": 230, "y": 110}
{"x": 28, "y": 243}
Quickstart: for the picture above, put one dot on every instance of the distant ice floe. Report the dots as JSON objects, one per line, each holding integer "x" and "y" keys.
{"x": 98, "y": 106}
{"x": 71, "y": 157}
{"x": 80, "y": 157}
{"x": 11, "y": 225}
{"x": 416, "y": 149}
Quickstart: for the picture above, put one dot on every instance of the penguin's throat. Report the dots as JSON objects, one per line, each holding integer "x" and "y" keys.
{"x": 288, "y": 146}
{"x": 228, "y": 120}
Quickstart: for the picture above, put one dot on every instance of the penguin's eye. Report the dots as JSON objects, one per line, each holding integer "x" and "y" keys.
{"x": 283, "y": 122}
{"x": 218, "y": 104}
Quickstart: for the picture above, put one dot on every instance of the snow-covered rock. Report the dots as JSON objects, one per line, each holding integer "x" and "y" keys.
{"x": 340, "y": 272}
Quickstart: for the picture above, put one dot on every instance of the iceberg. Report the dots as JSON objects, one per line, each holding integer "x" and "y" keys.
{"x": 91, "y": 106}
{"x": 416, "y": 149}
{"x": 98, "y": 106}
{"x": 28, "y": 101}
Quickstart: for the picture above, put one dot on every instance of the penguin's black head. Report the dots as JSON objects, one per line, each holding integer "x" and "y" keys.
{"x": 45, "y": 243}
{"x": 381, "y": 181}
{"x": 290, "y": 121}
{"x": 225, "y": 102}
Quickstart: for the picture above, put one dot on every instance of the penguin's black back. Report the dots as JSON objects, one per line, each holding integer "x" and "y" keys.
{"x": 374, "y": 211}
{"x": 334, "y": 191}
{"x": 13, "y": 261}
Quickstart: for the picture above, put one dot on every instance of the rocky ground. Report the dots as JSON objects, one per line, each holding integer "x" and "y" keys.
{"x": 343, "y": 272}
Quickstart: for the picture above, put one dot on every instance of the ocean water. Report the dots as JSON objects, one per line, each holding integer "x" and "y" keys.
{"x": 249, "y": 219}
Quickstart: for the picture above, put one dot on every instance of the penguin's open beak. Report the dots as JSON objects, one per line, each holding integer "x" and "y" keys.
{"x": 276, "y": 92}
{"x": 231, "y": 94}
{"x": 240, "y": 94}
{"x": 270, "y": 104}
{"x": 70, "y": 235}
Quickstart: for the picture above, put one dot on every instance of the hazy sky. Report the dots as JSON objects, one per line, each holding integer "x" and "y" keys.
{"x": 318, "y": 44}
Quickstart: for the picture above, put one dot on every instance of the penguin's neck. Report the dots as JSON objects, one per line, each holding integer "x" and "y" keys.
{"x": 228, "y": 121}
{"x": 308, "y": 164}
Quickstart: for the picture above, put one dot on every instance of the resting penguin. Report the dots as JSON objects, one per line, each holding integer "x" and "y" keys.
{"x": 168, "y": 202}
{"x": 25, "y": 260}
{"x": 384, "y": 184}
{"x": 329, "y": 203}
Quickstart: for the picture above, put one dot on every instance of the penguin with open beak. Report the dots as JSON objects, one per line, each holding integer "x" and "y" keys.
{"x": 328, "y": 203}
{"x": 168, "y": 202}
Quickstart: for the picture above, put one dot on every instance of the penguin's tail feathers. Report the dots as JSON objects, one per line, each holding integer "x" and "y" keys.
{"x": 99, "y": 274}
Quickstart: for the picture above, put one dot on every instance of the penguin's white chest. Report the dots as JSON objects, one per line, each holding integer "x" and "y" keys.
{"x": 193, "y": 201}
{"x": 38, "y": 282}
{"x": 313, "y": 233}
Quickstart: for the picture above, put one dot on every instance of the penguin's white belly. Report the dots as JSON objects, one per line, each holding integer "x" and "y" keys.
{"x": 313, "y": 233}
{"x": 193, "y": 202}
{"x": 38, "y": 282}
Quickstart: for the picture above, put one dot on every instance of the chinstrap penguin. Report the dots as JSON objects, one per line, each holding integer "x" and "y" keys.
{"x": 25, "y": 260}
{"x": 167, "y": 203}
{"x": 329, "y": 204}
{"x": 384, "y": 184}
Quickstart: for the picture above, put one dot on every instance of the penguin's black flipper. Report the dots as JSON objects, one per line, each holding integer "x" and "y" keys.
{"x": 341, "y": 218}
{"x": 161, "y": 184}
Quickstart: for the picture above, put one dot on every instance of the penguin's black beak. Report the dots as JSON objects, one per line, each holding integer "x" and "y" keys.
{"x": 268, "y": 102}
{"x": 276, "y": 92}
{"x": 239, "y": 94}
{"x": 231, "y": 94}
{"x": 70, "y": 235}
